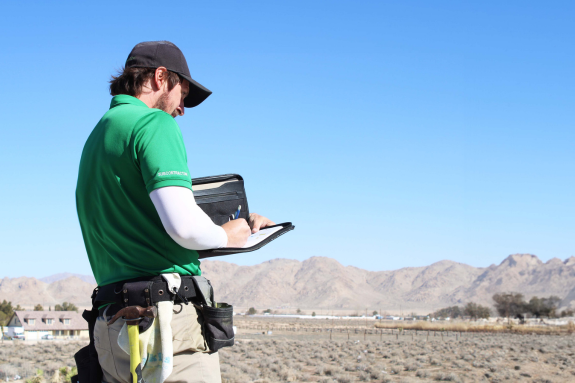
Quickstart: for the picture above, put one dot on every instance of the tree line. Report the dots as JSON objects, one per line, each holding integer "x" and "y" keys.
{"x": 6, "y": 311}
{"x": 514, "y": 305}
{"x": 472, "y": 310}
{"x": 509, "y": 305}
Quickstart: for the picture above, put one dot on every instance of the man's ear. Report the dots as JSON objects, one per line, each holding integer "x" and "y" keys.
{"x": 160, "y": 77}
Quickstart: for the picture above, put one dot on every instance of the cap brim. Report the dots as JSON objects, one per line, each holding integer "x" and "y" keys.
{"x": 198, "y": 93}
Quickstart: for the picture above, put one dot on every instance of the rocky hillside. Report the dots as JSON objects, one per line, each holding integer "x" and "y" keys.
{"x": 324, "y": 283}
{"x": 321, "y": 282}
{"x": 57, "y": 277}
{"x": 31, "y": 291}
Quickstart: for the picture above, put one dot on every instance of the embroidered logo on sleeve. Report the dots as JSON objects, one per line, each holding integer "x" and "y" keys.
{"x": 172, "y": 173}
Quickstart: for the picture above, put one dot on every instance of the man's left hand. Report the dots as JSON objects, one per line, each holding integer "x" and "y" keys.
{"x": 258, "y": 222}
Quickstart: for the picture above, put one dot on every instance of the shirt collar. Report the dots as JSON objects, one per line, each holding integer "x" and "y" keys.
{"x": 125, "y": 99}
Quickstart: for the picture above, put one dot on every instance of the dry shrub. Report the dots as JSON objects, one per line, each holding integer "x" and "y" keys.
{"x": 396, "y": 361}
{"x": 332, "y": 370}
{"x": 364, "y": 376}
{"x": 447, "y": 377}
{"x": 349, "y": 367}
{"x": 345, "y": 378}
{"x": 289, "y": 375}
{"x": 435, "y": 362}
{"x": 375, "y": 375}
{"x": 36, "y": 379}
{"x": 458, "y": 364}
{"x": 411, "y": 367}
{"x": 422, "y": 374}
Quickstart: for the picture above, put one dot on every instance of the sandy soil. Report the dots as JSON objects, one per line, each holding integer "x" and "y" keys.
{"x": 359, "y": 355}
{"x": 309, "y": 355}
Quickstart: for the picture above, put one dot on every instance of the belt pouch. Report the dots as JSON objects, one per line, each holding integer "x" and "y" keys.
{"x": 218, "y": 317}
{"x": 204, "y": 287}
{"x": 139, "y": 294}
{"x": 218, "y": 326}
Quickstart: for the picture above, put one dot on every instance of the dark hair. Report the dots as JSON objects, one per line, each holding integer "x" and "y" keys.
{"x": 131, "y": 80}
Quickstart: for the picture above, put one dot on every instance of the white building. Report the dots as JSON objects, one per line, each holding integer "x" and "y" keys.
{"x": 59, "y": 324}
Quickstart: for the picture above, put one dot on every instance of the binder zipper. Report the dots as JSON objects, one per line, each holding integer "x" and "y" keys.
{"x": 210, "y": 196}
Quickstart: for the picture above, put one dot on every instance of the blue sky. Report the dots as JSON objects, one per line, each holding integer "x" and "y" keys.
{"x": 391, "y": 134}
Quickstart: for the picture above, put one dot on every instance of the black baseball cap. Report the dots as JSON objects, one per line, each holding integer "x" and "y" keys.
{"x": 154, "y": 54}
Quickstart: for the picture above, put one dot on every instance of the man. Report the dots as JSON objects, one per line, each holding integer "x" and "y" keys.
{"x": 136, "y": 208}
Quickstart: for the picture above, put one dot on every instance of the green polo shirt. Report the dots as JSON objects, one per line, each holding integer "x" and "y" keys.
{"x": 133, "y": 150}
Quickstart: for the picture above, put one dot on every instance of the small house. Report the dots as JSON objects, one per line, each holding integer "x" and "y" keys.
{"x": 59, "y": 324}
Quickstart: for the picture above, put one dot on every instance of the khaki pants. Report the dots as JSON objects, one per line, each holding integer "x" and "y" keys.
{"x": 192, "y": 362}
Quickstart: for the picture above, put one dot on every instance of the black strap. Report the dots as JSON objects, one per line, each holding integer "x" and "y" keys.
{"x": 144, "y": 292}
{"x": 89, "y": 370}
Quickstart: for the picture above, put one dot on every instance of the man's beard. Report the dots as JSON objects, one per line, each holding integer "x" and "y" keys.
{"x": 162, "y": 104}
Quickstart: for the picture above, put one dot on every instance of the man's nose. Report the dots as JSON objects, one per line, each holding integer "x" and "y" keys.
{"x": 181, "y": 109}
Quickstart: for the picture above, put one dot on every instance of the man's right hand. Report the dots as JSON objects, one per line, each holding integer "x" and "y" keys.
{"x": 237, "y": 231}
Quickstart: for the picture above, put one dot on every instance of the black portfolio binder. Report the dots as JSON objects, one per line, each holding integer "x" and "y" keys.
{"x": 219, "y": 197}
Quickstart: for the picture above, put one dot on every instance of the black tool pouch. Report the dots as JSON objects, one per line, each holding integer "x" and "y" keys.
{"x": 89, "y": 370}
{"x": 218, "y": 325}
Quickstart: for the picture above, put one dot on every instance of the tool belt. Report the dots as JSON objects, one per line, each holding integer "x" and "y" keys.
{"x": 147, "y": 291}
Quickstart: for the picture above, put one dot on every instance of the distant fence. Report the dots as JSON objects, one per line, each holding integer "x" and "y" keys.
{"x": 399, "y": 333}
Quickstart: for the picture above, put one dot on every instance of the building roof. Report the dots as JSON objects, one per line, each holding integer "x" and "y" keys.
{"x": 40, "y": 320}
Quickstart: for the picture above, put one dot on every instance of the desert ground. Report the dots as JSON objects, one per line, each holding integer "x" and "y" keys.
{"x": 304, "y": 352}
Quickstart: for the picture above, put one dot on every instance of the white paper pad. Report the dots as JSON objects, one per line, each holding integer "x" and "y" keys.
{"x": 261, "y": 235}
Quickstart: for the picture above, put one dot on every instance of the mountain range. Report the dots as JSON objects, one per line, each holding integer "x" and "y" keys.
{"x": 323, "y": 283}
{"x": 57, "y": 277}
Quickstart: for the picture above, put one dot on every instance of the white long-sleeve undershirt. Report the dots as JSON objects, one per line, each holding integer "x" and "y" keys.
{"x": 184, "y": 221}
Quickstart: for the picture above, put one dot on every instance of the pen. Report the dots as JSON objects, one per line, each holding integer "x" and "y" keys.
{"x": 238, "y": 212}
